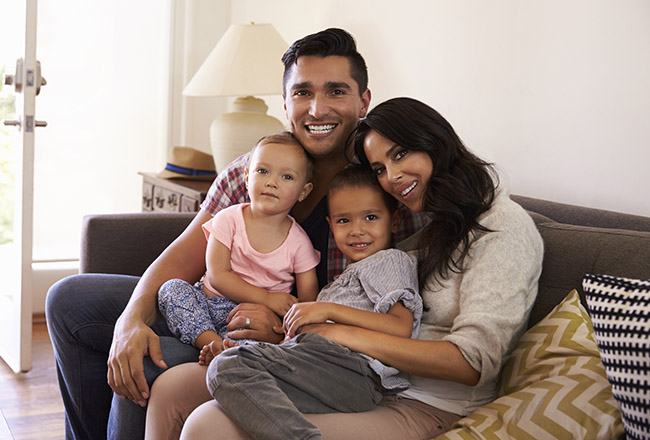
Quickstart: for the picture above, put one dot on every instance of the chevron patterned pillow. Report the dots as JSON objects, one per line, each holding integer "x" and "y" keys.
{"x": 553, "y": 386}
{"x": 620, "y": 312}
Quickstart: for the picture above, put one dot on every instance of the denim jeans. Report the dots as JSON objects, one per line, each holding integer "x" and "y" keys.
{"x": 81, "y": 312}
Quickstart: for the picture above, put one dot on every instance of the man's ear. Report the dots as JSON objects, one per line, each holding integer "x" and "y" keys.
{"x": 305, "y": 191}
{"x": 396, "y": 220}
{"x": 365, "y": 103}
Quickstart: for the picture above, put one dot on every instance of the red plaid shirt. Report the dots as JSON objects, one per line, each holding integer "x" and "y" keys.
{"x": 229, "y": 188}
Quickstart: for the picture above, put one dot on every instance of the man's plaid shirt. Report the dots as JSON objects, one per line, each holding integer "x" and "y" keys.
{"x": 229, "y": 188}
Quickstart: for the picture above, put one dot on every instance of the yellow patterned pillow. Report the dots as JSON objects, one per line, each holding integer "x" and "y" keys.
{"x": 553, "y": 386}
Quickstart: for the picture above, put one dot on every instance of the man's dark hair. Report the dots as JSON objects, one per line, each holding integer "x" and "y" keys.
{"x": 330, "y": 42}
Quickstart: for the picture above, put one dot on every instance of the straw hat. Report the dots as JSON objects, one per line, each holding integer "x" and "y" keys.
{"x": 188, "y": 163}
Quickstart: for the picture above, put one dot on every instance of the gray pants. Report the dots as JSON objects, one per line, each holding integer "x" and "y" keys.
{"x": 265, "y": 388}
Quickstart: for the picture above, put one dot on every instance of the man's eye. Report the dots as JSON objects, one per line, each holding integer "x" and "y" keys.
{"x": 338, "y": 92}
{"x": 300, "y": 93}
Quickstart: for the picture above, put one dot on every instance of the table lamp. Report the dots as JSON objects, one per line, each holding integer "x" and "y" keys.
{"x": 245, "y": 62}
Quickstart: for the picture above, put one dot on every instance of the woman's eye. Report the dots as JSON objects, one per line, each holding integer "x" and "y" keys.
{"x": 379, "y": 171}
{"x": 400, "y": 154}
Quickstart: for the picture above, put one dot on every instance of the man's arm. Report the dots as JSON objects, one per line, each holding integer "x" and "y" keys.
{"x": 133, "y": 338}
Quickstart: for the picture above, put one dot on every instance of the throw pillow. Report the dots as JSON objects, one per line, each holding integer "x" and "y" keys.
{"x": 553, "y": 386}
{"x": 620, "y": 312}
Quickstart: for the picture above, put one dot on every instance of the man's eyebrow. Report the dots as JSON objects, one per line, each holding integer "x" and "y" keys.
{"x": 338, "y": 85}
{"x": 302, "y": 85}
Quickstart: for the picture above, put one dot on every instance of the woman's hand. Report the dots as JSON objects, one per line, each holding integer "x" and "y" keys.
{"x": 305, "y": 313}
{"x": 262, "y": 322}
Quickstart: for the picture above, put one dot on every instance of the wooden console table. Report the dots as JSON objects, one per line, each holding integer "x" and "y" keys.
{"x": 172, "y": 195}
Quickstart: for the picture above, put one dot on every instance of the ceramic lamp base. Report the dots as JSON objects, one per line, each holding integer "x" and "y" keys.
{"x": 235, "y": 133}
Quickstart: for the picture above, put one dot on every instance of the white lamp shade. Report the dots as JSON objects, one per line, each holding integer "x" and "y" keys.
{"x": 246, "y": 61}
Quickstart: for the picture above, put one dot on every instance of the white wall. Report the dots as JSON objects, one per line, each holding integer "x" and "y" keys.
{"x": 557, "y": 92}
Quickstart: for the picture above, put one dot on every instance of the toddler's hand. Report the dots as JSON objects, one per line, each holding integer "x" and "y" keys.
{"x": 280, "y": 302}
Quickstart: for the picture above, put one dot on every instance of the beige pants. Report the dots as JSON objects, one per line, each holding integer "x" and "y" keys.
{"x": 177, "y": 392}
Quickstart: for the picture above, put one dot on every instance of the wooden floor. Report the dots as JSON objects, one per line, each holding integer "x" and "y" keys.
{"x": 30, "y": 402}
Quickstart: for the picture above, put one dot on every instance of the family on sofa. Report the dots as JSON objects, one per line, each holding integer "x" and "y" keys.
{"x": 475, "y": 370}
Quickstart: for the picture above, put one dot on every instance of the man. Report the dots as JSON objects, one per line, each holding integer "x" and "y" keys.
{"x": 93, "y": 318}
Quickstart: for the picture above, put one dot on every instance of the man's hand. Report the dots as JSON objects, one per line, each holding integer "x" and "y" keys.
{"x": 280, "y": 302}
{"x": 131, "y": 343}
{"x": 304, "y": 313}
{"x": 262, "y": 322}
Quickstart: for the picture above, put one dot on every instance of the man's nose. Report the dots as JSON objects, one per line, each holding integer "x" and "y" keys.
{"x": 319, "y": 107}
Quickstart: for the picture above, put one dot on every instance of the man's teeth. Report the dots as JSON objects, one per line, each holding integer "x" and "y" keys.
{"x": 409, "y": 189}
{"x": 320, "y": 129}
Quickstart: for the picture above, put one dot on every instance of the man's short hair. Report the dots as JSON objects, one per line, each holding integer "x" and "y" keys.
{"x": 330, "y": 42}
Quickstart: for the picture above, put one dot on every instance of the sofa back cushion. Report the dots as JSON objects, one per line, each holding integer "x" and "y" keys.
{"x": 572, "y": 251}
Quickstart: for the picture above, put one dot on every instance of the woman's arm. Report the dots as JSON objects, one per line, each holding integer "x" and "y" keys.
{"x": 231, "y": 285}
{"x": 435, "y": 359}
{"x": 397, "y": 321}
{"x": 307, "y": 285}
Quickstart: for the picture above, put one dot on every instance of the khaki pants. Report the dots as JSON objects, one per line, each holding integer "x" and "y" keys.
{"x": 182, "y": 390}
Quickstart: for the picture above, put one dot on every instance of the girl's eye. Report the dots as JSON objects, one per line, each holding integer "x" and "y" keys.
{"x": 342, "y": 220}
{"x": 287, "y": 177}
{"x": 262, "y": 171}
{"x": 371, "y": 217}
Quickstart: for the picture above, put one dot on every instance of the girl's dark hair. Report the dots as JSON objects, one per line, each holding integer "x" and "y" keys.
{"x": 460, "y": 189}
{"x": 358, "y": 176}
{"x": 330, "y": 42}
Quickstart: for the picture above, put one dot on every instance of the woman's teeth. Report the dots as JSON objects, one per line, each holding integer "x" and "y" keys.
{"x": 409, "y": 189}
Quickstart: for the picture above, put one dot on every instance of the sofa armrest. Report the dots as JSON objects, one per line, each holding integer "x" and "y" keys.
{"x": 127, "y": 243}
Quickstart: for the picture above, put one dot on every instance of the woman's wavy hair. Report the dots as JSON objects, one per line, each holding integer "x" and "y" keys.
{"x": 460, "y": 189}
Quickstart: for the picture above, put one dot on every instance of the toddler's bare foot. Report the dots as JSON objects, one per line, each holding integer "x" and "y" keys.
{"x": 227, "y": 343}
{"x": 210, "y": 351}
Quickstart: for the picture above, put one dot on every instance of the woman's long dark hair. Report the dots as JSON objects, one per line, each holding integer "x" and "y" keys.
{"x": 460, "y": 189}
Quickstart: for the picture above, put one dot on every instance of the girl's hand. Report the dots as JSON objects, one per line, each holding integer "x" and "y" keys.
{"x": 305, "y": 313}
{"x": 280, "y": 302}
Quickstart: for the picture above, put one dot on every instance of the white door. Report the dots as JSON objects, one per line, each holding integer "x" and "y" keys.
{"x": 15, "y": 293}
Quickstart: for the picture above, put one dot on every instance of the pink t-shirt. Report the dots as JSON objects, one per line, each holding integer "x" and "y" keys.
{"x": 273, "y": 271}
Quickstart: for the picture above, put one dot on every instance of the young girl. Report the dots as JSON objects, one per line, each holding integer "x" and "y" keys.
{"x": 309, "y": 373}
{"x": 254, "y": 251}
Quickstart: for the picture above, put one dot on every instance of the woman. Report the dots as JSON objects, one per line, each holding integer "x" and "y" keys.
{"x": 479, "y": 260}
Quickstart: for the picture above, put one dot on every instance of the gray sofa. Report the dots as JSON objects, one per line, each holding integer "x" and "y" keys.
{"x": 577, "y": 240}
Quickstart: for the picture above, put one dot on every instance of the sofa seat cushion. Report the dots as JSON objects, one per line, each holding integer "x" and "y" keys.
{"x": 553, "y": 386}
{"x": 620, "y": 312}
